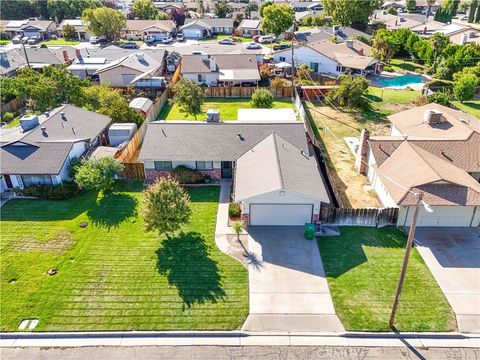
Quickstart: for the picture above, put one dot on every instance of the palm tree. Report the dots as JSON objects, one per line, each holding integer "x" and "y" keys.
{"x": 238, "y": 226}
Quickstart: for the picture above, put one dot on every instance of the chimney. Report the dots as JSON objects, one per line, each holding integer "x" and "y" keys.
{"x": 360, "y": 52}
{"x": 78, "y": 54}
{"x": 65, "y": 56}
{"x": 213, "y": 64}
{"x": 361, "y": 159}
{"x": 349, "y": 43}
{"x": 463, "y": 39}
{"x": 424, "y": 30}
{"x": 396, "y": 22}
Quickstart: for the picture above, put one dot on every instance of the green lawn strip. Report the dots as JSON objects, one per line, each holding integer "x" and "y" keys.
{"x": 362, "y": 266}
{"x": 5, "y": 42}
{"x": 112, "y": 275}
{"x": 61, "y": 42}
{"x": 401, "y": 66}
{"x": 228, "y": 108}
{"x": 470, "y": 107}
{"x": 215, "y": 38}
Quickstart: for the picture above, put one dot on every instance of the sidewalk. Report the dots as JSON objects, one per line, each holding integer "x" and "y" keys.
{"x": 238, "y": 338}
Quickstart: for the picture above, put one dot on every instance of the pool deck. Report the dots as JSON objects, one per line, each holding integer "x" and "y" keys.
{"x": 384, "y": 75}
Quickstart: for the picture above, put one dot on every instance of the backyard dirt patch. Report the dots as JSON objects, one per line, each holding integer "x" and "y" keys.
{"x": 60, "y": 242}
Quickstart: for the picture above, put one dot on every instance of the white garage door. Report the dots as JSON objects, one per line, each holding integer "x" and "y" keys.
{"x": 279, "y": 214}
{"x": 444, "y": 216}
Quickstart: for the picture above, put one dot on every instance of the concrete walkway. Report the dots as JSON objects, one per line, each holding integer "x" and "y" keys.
{"x": 287, "y": 284}
{"x": 453, "y": 257}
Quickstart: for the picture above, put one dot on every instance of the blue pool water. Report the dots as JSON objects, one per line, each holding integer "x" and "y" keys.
{"x": 402, "y": 80}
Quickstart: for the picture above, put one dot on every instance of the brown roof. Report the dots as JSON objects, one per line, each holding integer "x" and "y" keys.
{"x": 139, "y": 25}
{"x": 343, "y": 54}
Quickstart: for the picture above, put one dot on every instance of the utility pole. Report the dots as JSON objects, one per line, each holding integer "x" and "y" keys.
{"x": 293, "y": 61}
{"x": 411, "y": 234}
{"x": 26, "y": 56}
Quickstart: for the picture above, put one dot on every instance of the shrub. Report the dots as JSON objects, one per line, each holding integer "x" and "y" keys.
{"x": 234, "y": 210}
{"x": 53, "y": 37}
{"x": 438, "y": 83}
{"x": 64, "y": 191}
{"x": 7, "y": 117}
{"x": 388, "y": 68}
{"x": 277, "y": 83}
{"x": 185, "y": 175}
{"x": 441, "y": 97}
{"x": 262, "y": 99}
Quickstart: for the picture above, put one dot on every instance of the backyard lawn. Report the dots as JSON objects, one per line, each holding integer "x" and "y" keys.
{"x": 112, "y": 275}
{"x": 470, "y": 107}
{"x": 60, "y": 42}
{"x": 385, "y": 102}
{"x": 362, "y": 267}
{"x": 228, "y": 108}
{"x": 401, "y": 66}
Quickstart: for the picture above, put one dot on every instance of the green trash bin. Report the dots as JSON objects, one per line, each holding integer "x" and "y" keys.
{"x": 309, "y": 231}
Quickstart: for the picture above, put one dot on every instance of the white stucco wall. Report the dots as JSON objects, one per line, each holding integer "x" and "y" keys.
{"x": 275, "y": 198}
{"x": 446, "y": 216}
{"x": 305, "y": 55}
{"x": 193, "y": 32}
{"x": 78, "y": 149}
{"x": 377, "y": 184}
{"x": 210, "y": 77}
{"x": 189, "y": 164}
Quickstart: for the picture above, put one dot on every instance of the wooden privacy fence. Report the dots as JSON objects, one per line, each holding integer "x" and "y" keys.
{"x": 157, "y": 107}
{"x": 359, "y": 217}
{"x": 243, "y": 92}
{"x": 133, "y": 171}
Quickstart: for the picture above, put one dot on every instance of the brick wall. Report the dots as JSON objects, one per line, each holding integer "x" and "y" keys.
{"x": 246, "y": 219}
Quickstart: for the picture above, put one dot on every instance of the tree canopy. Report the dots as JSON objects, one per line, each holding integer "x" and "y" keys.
{"x": 189, "y": 97}
{"x": 104, "y": 21}
{"x": 277, "y": 18}
{"x": 350, "y": 91}
{"x": 464, "y": 86}
{"x": 97, "y": 174}
{"x": 70, "y": 9}
{"x": 384, "y": 45}
{"x": 222, "y": 9}
{"x": 144, "y": 10}
{"x": 353, "y": 13}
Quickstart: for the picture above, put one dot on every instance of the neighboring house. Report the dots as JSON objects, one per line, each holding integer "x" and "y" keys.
{"x": 39, "y": 150}
{"x": 205, "y": 27}
{"x": 340, "y": 33}
{"x": 467, "y": 36}
{"x": 30, "y": 27}
{"x": 79, "y": 27}
{"x": 138, "y": 29}
{"x": 229, "y": 70}
{"x": 432, "y": 149}
{"x": 130, "y": 69}
{"x": 250, "y": 27}
{"x": 10, "y": 61}
{"x": 299, "y": 6}
{"x": 275, "y": 177}
{"x": 326, "y": 57}
{"x": 429, "y": 28}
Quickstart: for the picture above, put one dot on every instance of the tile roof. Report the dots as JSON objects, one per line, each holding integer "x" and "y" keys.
{"x": 202, "y": 141}
{"x": 280, "y": 166}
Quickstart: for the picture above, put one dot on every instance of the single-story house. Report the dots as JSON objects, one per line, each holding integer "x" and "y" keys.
{"x": 129, "y": 69}
{"x": 266, "y": 115}
{"x": 138, "y": 29}
{"x": 79, "y": 27}
{"x": 326, "y": 57}
{"x": 39, "y": 150}
{"x": 340, "y": 33}
{"x": 231, "y": 69}
{"x": 299, "y": 6}
{"x": 466, "y": 36}
{"x": 205, "y": 27}
{"x": 431, "y": 149}
{"x": 10, "y": 61}
{"x": 291, "y": 190}
{"x": 250, "y": 27}
{"x": 30, "y": 27}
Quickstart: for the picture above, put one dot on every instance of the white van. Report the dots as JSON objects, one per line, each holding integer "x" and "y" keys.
{"x": 97, "y": 39}
{"x": 266, "y": 39}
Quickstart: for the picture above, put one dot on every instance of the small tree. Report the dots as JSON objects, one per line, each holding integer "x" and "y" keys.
{"x": 384, "y": 45}
{"x": 104, "y": 21}
{"x": 304, "y": 72}
{"x": 97, "y": 174}
{"x": 410, "y": 5}
{"x": 350, "y": 91}
{"x": 68, "y": 31}
{"x": 464, "y": 86}
{"x": 277, "y": 18}
{"x": 165, "y": 206}
{"x": 262, "y": 99}
{"x": 144, "y": 9}
{"x": 189, "y": 97}
{"x": 278, "y": 83}
{"x": 238, "y": 227}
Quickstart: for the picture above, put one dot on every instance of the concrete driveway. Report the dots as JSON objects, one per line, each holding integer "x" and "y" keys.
{"x": 287, "y": 284}
{"x": 453, "y": 257}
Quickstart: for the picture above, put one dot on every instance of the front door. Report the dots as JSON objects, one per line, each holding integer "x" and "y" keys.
{"x": 8, "y": 181}
{"x": 227, "y": 169}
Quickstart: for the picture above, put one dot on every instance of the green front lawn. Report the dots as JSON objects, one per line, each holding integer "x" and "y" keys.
{"x": 363, "y": 266}
{"x": 61, "y": 42}
{"x": 215, "y": 38}
{"x": 111, "y": 274}
{"x": 228, "y": 108}
{"x": 5, "y": 42}
{"x": 470, "y": 107}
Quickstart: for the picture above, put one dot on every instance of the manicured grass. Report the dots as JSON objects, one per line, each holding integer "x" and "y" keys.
{"x": 5, "y": 42}
{"x": 399, "y": 65}
{"x": 216, "y": 38}
{"x": 60, "y": 42}
{"x": 363, "y": 266}
{"x": 470, "y": 107}
{"x": 111, "y": 274}
{"x": 385, "y": 102}
{"x": 228, "y": 108}
{"x": 14, "y": 122}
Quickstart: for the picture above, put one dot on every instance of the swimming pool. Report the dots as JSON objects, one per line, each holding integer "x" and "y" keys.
{"x": 402, "y": 80}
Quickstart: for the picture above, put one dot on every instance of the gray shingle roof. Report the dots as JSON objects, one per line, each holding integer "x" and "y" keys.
{"x": 201, "y": 141}
{"x": 280, "y": 166}
{"x": 196, "y": 64}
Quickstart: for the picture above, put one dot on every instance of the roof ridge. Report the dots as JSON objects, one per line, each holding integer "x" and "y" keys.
{"x": 278, "y": 159}
{"x": 415, "y": 148}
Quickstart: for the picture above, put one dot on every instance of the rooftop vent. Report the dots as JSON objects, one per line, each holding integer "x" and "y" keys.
{"x": 465, "y": 121}
{"x": 29, "y": 122}
{"x": 64, "y": 117}
{"x": 432, "y": 117}
{"x": 349, "y": 43}
{"x": 213, "y": 115}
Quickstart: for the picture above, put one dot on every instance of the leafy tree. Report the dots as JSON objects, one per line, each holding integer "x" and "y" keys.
{"x": 161, "y": 16}
{"x": 200, "y": 8}
{"x": 262, "y": 99}
{"x": 238, "y": 19}
{"x": 304, "y": 71}
{"x": 104, "y": 22}
{"x": 165, "y": 206}
{"x": 144, "y": 9}
{"x": 69, "y": 31}
{"x": 238, "y": 226}
{"x": 110, "y": 102}
{"x": 97, "y": 174}
{"x": 264, "y": 6}
{"x": 350, "y": 92}
{"x": 442, "y": 97}
{"x": 222, "y": 9}
{"x": 251, "y": 6}
{"x": 464, "y": 86}
{"x": 178, "y": 16}
{"x": 384, "y": 45}
{"x": 189, "y": 97}
{"x": 70, "y": 9}
{"x": 439, "y": 42}
{"x": 392, "y": 11}
{"x": 18, "y": 9}
{"x": 353, "y": 13}
{"x": 278, "y": 83}
{"x": 277, "y": 18}
{"x": 410, "y": 5}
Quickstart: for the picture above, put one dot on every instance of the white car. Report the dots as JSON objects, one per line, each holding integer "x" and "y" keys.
{"x": 253, "y": 46}
{"x": 167, "y": 40}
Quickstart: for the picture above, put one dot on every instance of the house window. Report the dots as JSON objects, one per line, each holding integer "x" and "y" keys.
{"x": 340, "y": 68}
{"x": 127, "y": 78}
{"x": 282, "y": 58}
{"x": 204, "y": 165}
{"x": 314, "y": 67}
{"x": 34, "y": 180}
{"x": 163, "y": 165}
{"x": 202, "y": 78}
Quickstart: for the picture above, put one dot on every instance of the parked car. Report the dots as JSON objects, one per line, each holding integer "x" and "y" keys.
{"x": 226, "y": 41}
{"x": 167, "y": 40}
{"x": 130, "y": 45}
{"x": 180, "y": 37}
{"x": 34, "y": 40}
{"x": 281, "y": 47}
{"x": 25, "y": 39}
{"x": 266, "y": 39}
{"x": 98, "y": 40}
{"x": 149, "y": 40}
{"x": 253, "y": 46}
{"x": 17, "y": 39}
{"x": 198, "y": 52}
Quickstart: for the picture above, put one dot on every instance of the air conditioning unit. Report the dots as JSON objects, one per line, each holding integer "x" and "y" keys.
{"x": 213, "y": 115}
{"x": 432, "y": 117}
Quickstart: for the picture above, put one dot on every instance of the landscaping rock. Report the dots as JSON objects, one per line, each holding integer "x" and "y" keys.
{"x": 83, "y": 224}
{"x": 52, "y": 271}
